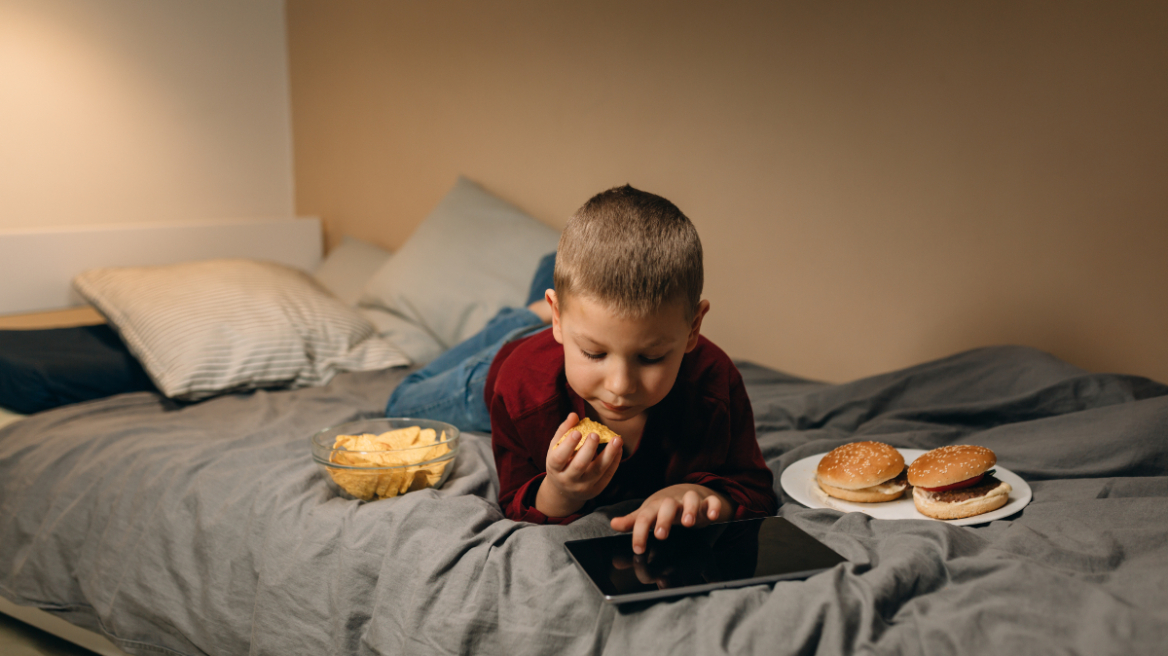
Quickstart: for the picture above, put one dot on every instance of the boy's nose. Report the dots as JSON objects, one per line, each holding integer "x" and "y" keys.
{"x": 619, "y": 381}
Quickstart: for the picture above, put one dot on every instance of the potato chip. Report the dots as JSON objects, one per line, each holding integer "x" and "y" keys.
{"x": 402, "y": 438}
{"x": 421, "y": 480}
{"x": 434, "y": 472}
{"x": 362, "y": 485}
{"x": 407, "y": 482}
{"x": 586, "y": 427}
{"x": 346, "y": 458}
{"x": 398, "y": 452}
{"x": 364, "y": 442}
{"x": 389, "y": 483}
{"x": 436, "y": 451}
{"x": 344, "y": 441}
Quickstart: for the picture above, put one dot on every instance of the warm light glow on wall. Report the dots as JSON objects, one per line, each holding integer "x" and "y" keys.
{"x": 121, "y": 110}
{"x": 876, "y": 184}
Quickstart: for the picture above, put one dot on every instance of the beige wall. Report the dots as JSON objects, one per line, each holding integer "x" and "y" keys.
{"x": 115, "y": 111}
{"x": 876, "y": 184}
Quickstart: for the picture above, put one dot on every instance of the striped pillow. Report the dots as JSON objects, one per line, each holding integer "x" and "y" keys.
{"x": 203, "y": 328}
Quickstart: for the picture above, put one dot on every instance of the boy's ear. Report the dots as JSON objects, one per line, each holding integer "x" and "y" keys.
{"x": 550, "y": 297}
{"x": 695, "y": 327}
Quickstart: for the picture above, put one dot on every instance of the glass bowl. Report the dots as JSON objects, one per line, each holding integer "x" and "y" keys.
{"x": 386, "y": 457}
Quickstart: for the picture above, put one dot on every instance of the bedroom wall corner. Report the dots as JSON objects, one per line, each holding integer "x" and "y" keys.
{"x": 122, "y": 111}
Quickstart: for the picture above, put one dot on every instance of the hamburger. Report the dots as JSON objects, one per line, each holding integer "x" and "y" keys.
{"x": 957, "y": 481}
{"x": 867, "y": 472}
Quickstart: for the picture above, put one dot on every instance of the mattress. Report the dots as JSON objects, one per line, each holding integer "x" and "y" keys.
{"x": 207, "y": 529}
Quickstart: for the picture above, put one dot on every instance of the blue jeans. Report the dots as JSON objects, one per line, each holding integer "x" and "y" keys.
{"x": 451, "y": 387}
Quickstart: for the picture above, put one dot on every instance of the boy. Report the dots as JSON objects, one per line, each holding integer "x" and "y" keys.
{"x": 625, "y": 350}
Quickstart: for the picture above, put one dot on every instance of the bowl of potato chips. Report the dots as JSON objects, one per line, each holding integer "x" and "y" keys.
{"x": 386, "y": 457}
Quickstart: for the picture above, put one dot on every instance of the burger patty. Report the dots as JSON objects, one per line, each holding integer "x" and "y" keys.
{"x": 983, "y": 487}
{"x": 901, "y": 478}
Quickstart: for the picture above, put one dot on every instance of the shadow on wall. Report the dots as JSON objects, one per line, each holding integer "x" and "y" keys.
{"x": 1046, "y": 325}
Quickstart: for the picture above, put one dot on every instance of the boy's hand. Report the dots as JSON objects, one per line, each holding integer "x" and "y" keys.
{"x": 685, "y": 504}
{"x": 574, "y": 477}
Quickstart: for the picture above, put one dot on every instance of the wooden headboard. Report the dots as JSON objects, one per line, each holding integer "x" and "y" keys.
{"x": 37, "y": 266}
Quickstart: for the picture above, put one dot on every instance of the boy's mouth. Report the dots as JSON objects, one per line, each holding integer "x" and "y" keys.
{"x": 615, "y": 408}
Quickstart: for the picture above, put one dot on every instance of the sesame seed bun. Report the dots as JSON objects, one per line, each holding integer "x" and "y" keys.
{"x": 950, "y": 464}
{"x": 862, "y": 471}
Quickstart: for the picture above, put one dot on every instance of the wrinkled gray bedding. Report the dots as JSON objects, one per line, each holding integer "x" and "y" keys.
{"x": 207, "y": 529}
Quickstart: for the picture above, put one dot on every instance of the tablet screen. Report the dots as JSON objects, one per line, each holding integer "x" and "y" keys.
{"x": 725, "y": 555}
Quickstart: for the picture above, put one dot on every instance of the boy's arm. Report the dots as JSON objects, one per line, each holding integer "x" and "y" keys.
{"x": 519, "y": 476}
{"x": 731, "y": 480}
{"x": 743, "y": 477}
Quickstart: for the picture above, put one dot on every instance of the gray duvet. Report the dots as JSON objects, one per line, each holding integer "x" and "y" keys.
{"x": 207, "y": 529}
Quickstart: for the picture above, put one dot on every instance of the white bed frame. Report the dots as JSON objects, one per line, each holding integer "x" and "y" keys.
{"x": 37, "y": 267}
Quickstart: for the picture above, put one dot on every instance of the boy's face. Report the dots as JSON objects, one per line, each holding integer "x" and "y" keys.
{"x": 622, "y": 366}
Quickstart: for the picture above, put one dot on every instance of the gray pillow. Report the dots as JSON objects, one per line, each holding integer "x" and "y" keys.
{"x": 202, "y": 328}
{"x": 473, "y": 255}
{"x": 415, "y": 342}
{"x": 349, "y": 266}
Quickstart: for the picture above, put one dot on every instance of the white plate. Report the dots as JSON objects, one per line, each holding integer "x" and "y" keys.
{"x": 798, "y": 480}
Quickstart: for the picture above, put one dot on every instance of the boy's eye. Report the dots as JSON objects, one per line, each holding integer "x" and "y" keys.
{"x": 648, "y": 360}
{"x": 593, "y": 356}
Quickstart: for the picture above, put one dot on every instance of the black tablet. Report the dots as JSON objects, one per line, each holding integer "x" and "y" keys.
{"x": 728, "y": 555}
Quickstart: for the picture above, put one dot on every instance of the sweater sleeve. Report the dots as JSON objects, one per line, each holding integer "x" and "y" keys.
{"x": 743, "y": 476}
{"x": 519, "y": 475}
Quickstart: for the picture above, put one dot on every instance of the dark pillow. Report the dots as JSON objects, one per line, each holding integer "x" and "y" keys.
{"x": 42, "y": 369}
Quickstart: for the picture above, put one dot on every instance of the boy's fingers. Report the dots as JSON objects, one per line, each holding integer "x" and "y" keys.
{"x": 713, "y": 507}
{"x": 641, "y": 528}
{"x": 625, "y": 523}
{"x": 689, "y": 508}
{"x": 666, "y": 513}
{"x": 561, "y": 456}
{"x": 610, "y": 460}
{"x": 584, "y": 455}
{"x": 622, "y": 523}
{"x": 556, "y": 456}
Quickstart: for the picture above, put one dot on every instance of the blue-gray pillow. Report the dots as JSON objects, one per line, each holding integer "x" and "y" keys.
{"x": 472, "y": 256}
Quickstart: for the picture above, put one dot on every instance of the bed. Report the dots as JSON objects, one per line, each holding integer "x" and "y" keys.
{"x": 204, "y": 527}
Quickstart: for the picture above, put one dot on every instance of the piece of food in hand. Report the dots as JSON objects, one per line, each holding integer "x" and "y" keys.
{"x": 957, "y": 481}
{"x": 587, "y": 427}
{"x": 394, "y": 460}
{"x": 868, "y": 472}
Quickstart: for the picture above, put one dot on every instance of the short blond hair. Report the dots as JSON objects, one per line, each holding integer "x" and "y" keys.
{"x": 631, "y": 250}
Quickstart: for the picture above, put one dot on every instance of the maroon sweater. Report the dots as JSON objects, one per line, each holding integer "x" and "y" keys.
{"x": 702, "y": 432}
